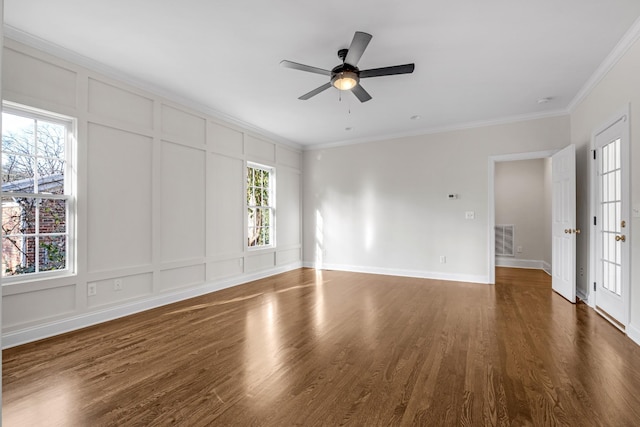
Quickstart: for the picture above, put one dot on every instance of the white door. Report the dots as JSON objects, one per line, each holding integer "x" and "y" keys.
{"x": 611, "y": 223}
{"x": 563, "y": 218}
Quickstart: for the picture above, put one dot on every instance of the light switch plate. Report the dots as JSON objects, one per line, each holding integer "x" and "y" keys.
{"x": 636, "y": 210}
{"x": 469, "y": 215}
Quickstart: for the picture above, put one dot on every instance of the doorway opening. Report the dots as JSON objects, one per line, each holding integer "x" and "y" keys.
{"x": 523, "y": 214}
{"x": 493, "y": 162}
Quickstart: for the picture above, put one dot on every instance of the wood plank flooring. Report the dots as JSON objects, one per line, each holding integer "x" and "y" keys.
{"x": 334, "y": 348}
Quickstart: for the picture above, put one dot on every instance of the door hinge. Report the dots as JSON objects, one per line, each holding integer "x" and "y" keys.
{"x": 594, "y": 154}
{"x": 594, "y": 221}
{"x": 594, "y": 286}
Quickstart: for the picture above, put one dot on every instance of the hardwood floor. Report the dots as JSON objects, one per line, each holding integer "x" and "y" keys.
{"x": 334, "y": 348}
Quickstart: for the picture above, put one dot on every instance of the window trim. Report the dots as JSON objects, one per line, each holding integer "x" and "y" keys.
{"x": 70, "y": 191}
{"x": 271, "y": 207}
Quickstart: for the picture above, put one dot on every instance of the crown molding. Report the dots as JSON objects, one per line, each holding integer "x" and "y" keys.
{"x": 442, "y": 129}
{"x": 630, "y": 37}
{"x": 113, "y": 73}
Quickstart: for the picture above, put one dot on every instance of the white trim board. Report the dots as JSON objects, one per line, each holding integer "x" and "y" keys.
{"x": 633, "y": 332}
{"x": 419, "y": 274}
{"x": 46, "y": 330}
{"x": 441, "y": 129}
{"x": 511, "y": 262}
{"x": 630, "y": 37}
{"x": 546, "y": 267}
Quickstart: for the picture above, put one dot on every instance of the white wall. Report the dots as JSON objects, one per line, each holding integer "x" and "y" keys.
{"x": 160, "y": 199}
{"x": 383, "y": 207}
{"x": 521, "y": 200}
{"x": 619, "y": 87}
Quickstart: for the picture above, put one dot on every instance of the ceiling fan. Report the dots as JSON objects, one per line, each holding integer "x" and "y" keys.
{"x": 347, "y": 75}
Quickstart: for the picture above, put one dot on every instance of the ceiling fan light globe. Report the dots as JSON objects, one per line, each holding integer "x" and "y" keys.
{"x": 345, "y": 80}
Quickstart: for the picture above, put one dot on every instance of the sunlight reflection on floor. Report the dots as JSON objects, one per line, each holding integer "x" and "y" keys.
{"x": 55, "y": 404}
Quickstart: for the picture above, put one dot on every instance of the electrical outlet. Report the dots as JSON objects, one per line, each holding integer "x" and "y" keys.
{"x": 92, "y": 289}
{"x": 117, "y": 285}
{"x": 443, "y": 259}
{"x": 519, "y": 249}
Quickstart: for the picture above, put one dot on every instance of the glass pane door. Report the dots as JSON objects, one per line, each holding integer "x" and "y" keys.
{"x": 611, "y": 214}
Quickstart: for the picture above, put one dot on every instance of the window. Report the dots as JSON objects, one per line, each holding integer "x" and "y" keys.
{"x": 37, "y": 197}
{"x": 260, "y": 205}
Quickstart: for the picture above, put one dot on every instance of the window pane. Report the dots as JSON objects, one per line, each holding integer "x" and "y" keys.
{"x": 266, "y": 217}
{"x": 264, "y": 181}
{"x": 264, "y": 235}
{"x": 249, "y": 177}
{"x": 50, "y": 141}
{"x": 605, "y": 275}
{"x": 264, "y": 195}
{"x": 17, "y": 134}
{"x": 18, "y": 215}
{"x": 53, "y": 216}
{"x": 259, "y": 217}
{"x": 252, "y": 240}
{"x": 252, "y": 236}
{"x": 257, "y": 196}
{"x": 251, "y": 217}
{"x": 51, "y": 176}
{"x": 17, "y": 173}
{"x": 18, "y": 255}
{"x": 53, "y": 252}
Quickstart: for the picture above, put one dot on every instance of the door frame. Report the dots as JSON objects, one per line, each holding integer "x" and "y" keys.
{"x": 621, "y": 115}
{"x": 492, "y": 200}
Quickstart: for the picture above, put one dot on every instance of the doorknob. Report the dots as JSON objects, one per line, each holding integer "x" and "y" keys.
{"x": 568, "y": 231}
{"x": 577, "y": 231}
{"x": 622, "y": 238}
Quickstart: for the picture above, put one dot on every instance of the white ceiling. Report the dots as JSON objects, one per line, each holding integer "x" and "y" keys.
{"x": 476, "y": 61}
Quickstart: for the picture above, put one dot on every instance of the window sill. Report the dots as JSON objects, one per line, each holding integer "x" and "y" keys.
{"x": 22, "y": 280}
{"x": 261, "y": 248}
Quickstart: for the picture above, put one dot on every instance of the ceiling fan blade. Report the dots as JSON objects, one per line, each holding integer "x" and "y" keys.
{"x": 387, "y": 71}
{"x": 315, "y": 91}
{"x": 358, "y": 45}
{"x": 302, "y": 67}
{"x": 360, "y": 93}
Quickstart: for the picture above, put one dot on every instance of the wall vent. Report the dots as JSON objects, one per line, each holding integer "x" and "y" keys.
{"x": 504, "y": 240}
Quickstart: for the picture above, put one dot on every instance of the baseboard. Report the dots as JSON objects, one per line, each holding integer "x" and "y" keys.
{"x": 633, "y": 332}
{"x": 421, "y": 274}
{"x": 35, "y": 333}
{"x": 583, "y": 297}
{"x": 546, "y": 267}
{"x": 522, "y": 263}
